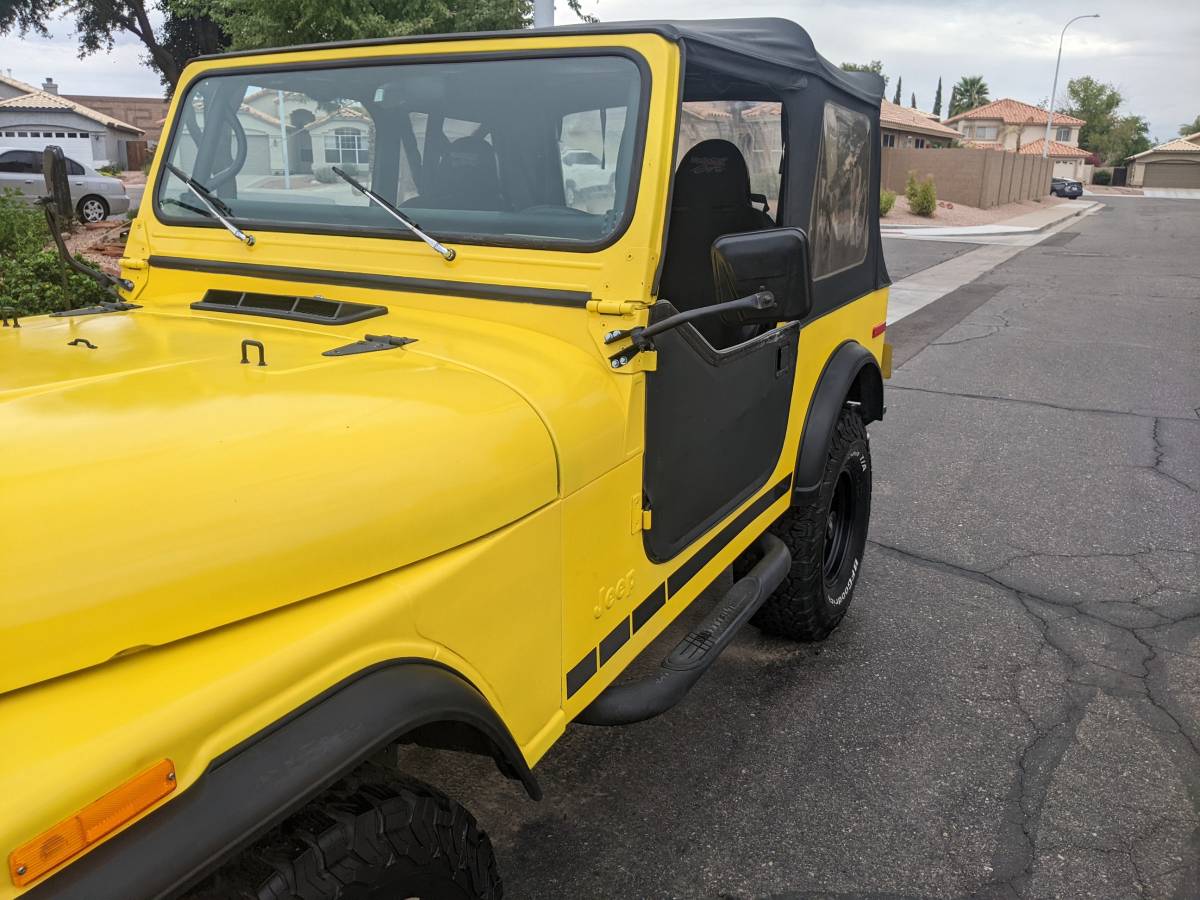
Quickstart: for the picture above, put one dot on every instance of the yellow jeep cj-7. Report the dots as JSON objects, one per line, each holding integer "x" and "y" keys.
{"x": 442, "y": 375}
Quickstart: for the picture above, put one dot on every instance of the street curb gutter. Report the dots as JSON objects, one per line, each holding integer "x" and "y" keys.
{"x": 1069, "y": 212}
{"x": 908, "y": 295}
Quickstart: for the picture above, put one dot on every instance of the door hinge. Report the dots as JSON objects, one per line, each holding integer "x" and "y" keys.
{"x": 640, "y": 518}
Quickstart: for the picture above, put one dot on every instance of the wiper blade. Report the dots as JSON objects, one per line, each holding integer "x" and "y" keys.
{"x": 196, "y": 209}
{"x": 447, "y": 253}
{"x": 212, "y": 203}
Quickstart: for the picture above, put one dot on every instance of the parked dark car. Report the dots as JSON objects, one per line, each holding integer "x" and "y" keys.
{"x": 1066, "y": 187}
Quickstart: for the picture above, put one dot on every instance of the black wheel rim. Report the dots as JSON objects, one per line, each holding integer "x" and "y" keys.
{"x": 839, "y": 526}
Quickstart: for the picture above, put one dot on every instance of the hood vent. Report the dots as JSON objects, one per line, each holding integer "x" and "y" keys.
{"x": 283, "y": 306}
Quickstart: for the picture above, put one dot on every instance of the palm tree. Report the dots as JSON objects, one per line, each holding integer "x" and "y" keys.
{"x": 970, "y": 92}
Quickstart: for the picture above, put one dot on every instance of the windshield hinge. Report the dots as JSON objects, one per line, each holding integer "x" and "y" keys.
{"x": 616, "y": 307}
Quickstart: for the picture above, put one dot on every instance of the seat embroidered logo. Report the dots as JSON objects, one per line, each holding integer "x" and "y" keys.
{"x": 708, "y": 165}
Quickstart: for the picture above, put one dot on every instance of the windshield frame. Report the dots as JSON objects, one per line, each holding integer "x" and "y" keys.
{"x": 534, "y": 242}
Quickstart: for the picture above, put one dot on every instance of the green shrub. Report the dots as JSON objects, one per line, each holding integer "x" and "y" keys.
{"x": 110, "y": 170}
{"x": 31, "y": 278}
{"x": 22, "y": 227}
{"x": 923, "y": 200}
{"x": 887, "y": 199}
{"x": 1102, "y": 176}
{"x": 910, "y": 187}
{"x": 32, "y": 283}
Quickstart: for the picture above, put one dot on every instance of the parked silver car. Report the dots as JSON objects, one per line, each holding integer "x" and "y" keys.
{"x": 96, "y": 196}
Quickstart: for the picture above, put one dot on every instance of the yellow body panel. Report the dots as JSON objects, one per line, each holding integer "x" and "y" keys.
{"x": 193, "y": 548}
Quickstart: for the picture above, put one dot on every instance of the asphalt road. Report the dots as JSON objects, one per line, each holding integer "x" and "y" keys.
{"x": 906, "y": 257}
{"x": 1012, "y": 706}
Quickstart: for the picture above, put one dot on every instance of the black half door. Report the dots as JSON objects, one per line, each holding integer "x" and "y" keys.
{"x": 715, "y": 425}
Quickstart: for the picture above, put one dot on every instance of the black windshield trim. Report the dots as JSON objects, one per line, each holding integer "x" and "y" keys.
{"x": 513, "y": 241}
{"x": 374, "y": 281}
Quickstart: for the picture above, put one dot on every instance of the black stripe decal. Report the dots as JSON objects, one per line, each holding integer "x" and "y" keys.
{"x": 645, "y": 610}
{"x": 583, "y": 671}
{"x": 686, "y": 572}
{"x": 614, "y": 641}
{"x": 470, "y": 289}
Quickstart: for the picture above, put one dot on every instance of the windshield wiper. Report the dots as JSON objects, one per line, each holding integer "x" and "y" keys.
{"x": 213, "y": 204}
{"x": 447, "y": 253}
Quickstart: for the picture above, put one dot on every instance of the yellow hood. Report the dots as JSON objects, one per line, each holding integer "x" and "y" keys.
{"x": 154, "y": 487}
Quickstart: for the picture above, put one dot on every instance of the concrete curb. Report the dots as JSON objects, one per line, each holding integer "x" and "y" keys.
{"x": 984, "y": 230}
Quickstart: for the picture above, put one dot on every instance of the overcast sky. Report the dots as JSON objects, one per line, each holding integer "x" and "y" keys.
{"x": 1149, "y": 49}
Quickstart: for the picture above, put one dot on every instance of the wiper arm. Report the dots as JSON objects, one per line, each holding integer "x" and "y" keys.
{"x": 213, "y": 204}
{"x": 447, "y": 253}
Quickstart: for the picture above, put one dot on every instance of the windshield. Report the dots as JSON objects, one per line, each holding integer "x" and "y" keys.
{"x": 510, "y": 151}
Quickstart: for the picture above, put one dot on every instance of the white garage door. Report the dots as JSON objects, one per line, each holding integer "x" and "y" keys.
{"x": 75, "y": 144}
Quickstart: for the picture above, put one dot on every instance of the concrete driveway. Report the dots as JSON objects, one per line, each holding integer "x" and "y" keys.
{"x": 1012, "y": 706}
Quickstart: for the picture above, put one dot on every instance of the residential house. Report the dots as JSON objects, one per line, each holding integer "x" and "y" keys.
{"x": 902, "y": 126}
{"x": 290, "y": 133}
{"x": 1175, "y": 164}
{"x": 1008, "y": 124}
{"x": 31, "y": 118}
{"x": 146, "y": 113}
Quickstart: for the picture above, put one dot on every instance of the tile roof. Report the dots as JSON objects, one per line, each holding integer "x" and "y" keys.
{"x": 1178, "y": 145}
{"x": 1014, "y": 112}
{"x": 41, "y": 100}
{"x": 19, "y": 85}
{"x": 1057, "y": 150}
{"x": 904, "y": 118}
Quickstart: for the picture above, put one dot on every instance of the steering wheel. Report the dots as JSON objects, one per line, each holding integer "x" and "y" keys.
{"x": 241, "y": 147}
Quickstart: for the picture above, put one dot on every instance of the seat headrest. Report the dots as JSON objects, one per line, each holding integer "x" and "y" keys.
{"x": 467, "y": 170}
{"x": 712, "y": 175}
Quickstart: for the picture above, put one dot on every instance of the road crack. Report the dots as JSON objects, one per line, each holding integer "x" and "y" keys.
{"x": 1042, "y": 403}
{"x": 1049, "y": 741}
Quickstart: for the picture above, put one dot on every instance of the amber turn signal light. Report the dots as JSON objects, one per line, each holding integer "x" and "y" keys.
{"x": 78, "y": 832}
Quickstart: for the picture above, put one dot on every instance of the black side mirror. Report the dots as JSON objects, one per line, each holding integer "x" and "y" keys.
{"x": 54, "y": 170}
{"x": 775, "y": 260}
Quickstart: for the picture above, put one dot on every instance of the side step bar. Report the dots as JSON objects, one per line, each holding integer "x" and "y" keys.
{"x": 645, "y": 698}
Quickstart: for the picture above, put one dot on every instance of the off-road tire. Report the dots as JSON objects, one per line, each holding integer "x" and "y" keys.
{"x": 811, "y": 602}
{"x": 388, "y": 839}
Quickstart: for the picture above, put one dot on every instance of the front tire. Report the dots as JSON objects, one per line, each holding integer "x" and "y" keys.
{"x": 92, "y": 209}
{"x": 384, "y": 839}
{"x": 826, "y": 538}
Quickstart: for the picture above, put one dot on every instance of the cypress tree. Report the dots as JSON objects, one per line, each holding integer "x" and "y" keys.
{"x": 914, "y": 100}
{"x": 899, "y": 83}
{"x": 937, "y": 100}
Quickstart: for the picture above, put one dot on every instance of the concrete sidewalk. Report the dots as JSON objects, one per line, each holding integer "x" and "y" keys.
{"x": 1029, "y": 223}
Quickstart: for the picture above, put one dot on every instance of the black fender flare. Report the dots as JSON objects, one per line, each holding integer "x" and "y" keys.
{"x": 851, "y": 374}
{"x": 269, "y": 776}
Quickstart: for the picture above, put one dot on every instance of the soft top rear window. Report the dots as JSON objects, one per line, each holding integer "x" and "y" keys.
{"x": 539, "y": 150}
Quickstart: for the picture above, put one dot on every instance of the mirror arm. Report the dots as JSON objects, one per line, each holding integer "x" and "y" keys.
{"x": 643, "y": 338}
{"x": 102, "y": 278}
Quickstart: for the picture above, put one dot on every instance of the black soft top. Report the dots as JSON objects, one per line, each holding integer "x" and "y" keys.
{"x": 778, "y": 48}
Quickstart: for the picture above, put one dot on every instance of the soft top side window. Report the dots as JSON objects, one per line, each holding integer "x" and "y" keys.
{"x": 839, "y": 232}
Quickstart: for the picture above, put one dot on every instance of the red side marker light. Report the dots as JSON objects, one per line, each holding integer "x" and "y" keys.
{"x": 879, "y": 329}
